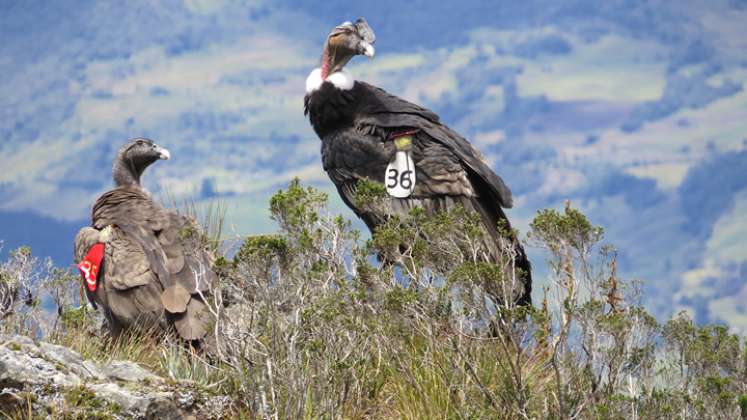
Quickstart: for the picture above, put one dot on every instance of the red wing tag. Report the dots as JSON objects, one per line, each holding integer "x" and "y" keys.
{"x": 89, "y": 267}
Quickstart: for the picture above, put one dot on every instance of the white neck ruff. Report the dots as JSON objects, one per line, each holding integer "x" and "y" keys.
{"x": 340, "y": 79}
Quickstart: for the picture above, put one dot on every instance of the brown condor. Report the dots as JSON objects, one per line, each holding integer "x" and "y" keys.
{"x": 143, "y": 264}
{"x": 367, "y": 133}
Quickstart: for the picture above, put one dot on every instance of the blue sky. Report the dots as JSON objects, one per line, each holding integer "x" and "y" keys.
{"x": 635, "y": 111}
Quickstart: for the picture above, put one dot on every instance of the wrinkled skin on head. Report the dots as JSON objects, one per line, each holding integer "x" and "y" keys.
{"x": 346, "y": 41}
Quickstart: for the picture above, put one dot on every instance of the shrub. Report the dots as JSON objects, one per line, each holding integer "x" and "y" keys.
{"x": 310, "y": 323}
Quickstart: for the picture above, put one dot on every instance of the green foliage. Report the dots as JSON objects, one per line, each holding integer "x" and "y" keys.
{"x": 82, "y": 403}
{"x": 571, "y": 227}
{"x": 369, "y": 194}
{"x": 80, "y": 396}
{"x": 261, "y": 246}
{"x": 297, "y": 209}
{"x": 21, "y": 252}
{"x": 311, "y": 322}
{"x": 75, "y": 318}
{"x": 399, "y": 298}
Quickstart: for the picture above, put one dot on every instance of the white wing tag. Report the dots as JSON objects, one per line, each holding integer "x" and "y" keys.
{"x": 400, "y": 174}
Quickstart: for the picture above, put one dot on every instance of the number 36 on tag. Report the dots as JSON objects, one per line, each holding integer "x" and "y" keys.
{"x": 400, "y": 175}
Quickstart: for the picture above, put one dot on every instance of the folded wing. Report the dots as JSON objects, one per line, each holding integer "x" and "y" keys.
{"x": 156, "y": 270}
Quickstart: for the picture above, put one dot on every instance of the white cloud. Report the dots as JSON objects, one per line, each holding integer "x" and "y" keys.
{"x": 561, "y": 180}
{"x": 668, "y": 176}
{"x": 727, "y": 243}
{"x": 488, "y": 138}
{"x": 702, "y": 283}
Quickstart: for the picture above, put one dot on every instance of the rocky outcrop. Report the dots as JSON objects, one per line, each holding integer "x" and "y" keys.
{"x": 54, "y": 380}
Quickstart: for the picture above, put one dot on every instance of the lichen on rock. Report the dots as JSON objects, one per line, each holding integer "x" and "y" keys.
{"x": 53, "y": 379}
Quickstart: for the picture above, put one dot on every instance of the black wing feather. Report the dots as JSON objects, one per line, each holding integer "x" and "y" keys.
{"x": 356, "y": 127}
{"x": 388, "y": 112}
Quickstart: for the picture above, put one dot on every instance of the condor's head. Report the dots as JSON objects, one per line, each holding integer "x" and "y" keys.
{"x": 133, "y": 158}
{"x": 344, "y": 42}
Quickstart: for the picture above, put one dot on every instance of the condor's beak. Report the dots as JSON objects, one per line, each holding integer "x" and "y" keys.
{"x": 163, "y": 153}
{"x": 368, "y": 49}
{"x": 367, "y": 37}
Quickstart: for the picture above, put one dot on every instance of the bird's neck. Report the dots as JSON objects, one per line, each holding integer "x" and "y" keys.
{"x": 331, "y": 70}
{"x": 125, "y": 173}
{"x": 333, "y": 60}
{"x": 340, "y": 79}
{"x": 324, "y": 69}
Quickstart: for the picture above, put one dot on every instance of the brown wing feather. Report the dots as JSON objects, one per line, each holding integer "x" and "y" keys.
{"x": 138, "y": 307}
{"x": 193, "y": 323}
{"x": 131, "y": 209}
{"x": 189, "y": 263}
{"x": 127, "y": 289}
{"x": 148, "y": 250}
{"x": 126, "y": 265}
{"x": 84, "y": 240}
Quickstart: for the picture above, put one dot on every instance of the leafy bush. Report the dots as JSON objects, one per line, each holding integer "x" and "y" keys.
{"x": 313, "y": 322}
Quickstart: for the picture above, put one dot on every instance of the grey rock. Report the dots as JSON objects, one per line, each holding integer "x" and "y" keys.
{"x": 21, "y": 367}
{"x": 71, "y": 360}
{"x": 18, "y": 340}
{"x": 164, "y": 410}
{"x": 128, "y": 371}
{"x": 50, "y": 372}
{"x": 129, "y": 400}
{"x": 94, "y": 370}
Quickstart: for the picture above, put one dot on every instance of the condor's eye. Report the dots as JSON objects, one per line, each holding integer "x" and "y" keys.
{"x": 140, "y": 142}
